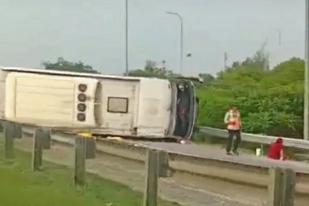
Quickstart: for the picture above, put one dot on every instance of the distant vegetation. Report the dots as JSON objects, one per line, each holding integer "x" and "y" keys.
{"x": 151, "y": 69}
{"x": 270, "y": 101}
{"x": 64, "y": 65}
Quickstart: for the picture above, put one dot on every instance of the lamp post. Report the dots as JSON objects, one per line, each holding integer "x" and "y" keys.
{"x": 127, "y": 44}
{"x": 279, "y": 35}
{"x": 181, "y": 38}
{"x": 306, "y": 95}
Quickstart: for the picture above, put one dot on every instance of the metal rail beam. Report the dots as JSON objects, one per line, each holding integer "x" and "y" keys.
{"x": 257, "y": 138}
{"x": 206, "y": 164}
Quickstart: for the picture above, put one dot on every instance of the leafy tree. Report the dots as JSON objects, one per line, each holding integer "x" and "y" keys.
{"x": 64, "y": 65}
{"x": 150, "y": 65}
{"x": 270, "y": 101}
{"x": 207, "y": 78}
{"x": 152, "y": 70}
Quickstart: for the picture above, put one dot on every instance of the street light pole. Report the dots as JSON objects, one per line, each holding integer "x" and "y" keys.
{"x": 127, "y": 28}
{"x": 181, "y": 38}
{"x": 279, "y": 37}
{"x": 306, "y": 95}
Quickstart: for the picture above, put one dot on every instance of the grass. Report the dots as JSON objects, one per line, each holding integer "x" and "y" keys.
{"x": 20, "y": 186}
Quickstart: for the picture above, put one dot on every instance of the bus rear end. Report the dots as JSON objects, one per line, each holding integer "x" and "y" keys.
{"x": 47, "y": 100}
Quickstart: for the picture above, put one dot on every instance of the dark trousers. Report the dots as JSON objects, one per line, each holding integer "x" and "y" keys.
{"x": 233, "y": 133}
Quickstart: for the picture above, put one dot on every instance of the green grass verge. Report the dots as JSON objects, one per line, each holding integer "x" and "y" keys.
{"x": 19, "y": 186}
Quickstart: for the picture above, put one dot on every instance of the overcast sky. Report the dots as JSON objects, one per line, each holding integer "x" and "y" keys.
{"x": 92, "y": 31}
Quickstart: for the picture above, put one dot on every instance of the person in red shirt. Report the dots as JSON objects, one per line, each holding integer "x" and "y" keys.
{"x": 276, "y": 150}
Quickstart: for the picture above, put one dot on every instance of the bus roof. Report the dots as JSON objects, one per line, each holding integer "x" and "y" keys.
{"x": 73, "y": 74}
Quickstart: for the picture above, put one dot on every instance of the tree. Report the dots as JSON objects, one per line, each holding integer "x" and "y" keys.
{"x": 152, "y": 70}
{"x": 150, "y": 65}
{"x": 259, "y": 61}
{"x": 207, "y": 78}
{"x": 271, "y": 101}
{"x": 64, "y": 65}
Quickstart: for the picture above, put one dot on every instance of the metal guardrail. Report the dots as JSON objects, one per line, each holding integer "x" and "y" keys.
{"x": 257, "y": 138}
{"x": 184, "y": 161}
{"x": 246, "y": 137}
{"x": 67, "y": 139}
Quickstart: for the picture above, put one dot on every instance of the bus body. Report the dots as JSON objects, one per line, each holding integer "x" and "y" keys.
{"x": 102, "y": 104}
{"x": 2, "y": 92}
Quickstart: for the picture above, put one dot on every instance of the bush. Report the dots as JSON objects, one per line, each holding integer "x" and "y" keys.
{"x": 270, "y": 102}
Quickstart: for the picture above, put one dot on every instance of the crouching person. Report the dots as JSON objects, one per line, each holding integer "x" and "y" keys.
{"x": 276, "y": 150}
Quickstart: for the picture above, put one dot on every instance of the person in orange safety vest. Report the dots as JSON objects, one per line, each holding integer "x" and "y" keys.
{"x": 233, "y": 122}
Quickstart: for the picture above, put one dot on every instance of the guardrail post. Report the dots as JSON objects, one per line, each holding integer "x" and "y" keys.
{"x": 163, "y": 164}
{"x": 288, "y": 189}
{"x": 38, "y": 145}
{"x": 281, "y": 187}
{"x": 18, "y": 131}
{"x": 151, "y": 178}
{"x": 90, "y": 148}
{"x": 1, "y": 125}
{"x": 262, "y": 150}
{"x": 46, "y": 138}
{"x": 80, "y": 161}
{"x": 274, "y": 187}
{"x": 9, "y": 134}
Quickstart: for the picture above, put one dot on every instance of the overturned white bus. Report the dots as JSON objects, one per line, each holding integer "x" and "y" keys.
{"x": 105, "y": 105}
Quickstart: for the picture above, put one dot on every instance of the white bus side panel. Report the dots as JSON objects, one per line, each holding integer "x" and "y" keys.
{"x": 2, "y": 92}
{"x": 113, "y": 121}
{"x": 42, "y": 100}
{"x": 154, "y": 107}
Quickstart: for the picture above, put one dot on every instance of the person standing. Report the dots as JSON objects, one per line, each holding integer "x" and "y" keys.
{"x": 233, "y": 122}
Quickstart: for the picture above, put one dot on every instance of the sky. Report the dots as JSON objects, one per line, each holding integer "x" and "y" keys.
{"x": 93, "y": 31}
